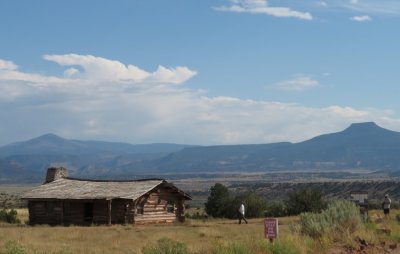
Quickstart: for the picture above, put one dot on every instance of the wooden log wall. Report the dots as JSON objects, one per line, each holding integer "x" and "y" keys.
{"x": 121, "y": 211}
{"x": 41, "y": 212}
{"x": 72, "y": 212}
{"x": 100, "y": 212}
{"x": 162, "y": 205}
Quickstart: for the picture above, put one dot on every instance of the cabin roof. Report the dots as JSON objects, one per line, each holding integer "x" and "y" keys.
{"x": 73, "y": 188}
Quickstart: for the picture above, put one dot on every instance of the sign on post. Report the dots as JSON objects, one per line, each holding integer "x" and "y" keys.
{"x": 359, "y": 197}
{"x": 271, "y": 228}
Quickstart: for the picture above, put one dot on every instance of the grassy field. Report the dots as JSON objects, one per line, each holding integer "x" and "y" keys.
{"x": 200, "y": 236}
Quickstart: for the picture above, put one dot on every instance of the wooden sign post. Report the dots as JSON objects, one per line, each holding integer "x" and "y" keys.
{"x": 360, "y": 198}
{"x": 271, "y": 228}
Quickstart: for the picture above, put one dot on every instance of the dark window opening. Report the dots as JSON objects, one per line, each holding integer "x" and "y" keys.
{"x": 170, "y": 207}
{"x": 88, "y": 212}
{"x": 139, "y": 209}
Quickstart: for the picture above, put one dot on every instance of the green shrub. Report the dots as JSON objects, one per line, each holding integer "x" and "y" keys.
{"x": 223, "y": 204}
{"x": 276, "y": 209}
{"x": 218, "y": 201}
{"x": 9, "y": 216}
{"x": 12, "y": 247}
{"x": 166, "y": 246}
{"x": 255, "y": 204}
{"x": 305, "y": 200}
{"x": 340, "y": 216}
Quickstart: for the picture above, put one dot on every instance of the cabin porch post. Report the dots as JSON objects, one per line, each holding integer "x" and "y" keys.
{"x": 109, "y": 211}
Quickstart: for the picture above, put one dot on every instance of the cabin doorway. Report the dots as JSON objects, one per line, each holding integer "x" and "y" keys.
{"x": 88, "y": 213}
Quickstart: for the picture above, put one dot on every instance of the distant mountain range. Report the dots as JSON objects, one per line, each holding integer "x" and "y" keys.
{"x": 28, "y": 160}
{"x": 360, "y": 146}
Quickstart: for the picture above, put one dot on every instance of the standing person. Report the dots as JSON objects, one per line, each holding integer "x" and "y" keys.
{"x": 386, "y": 205}
{"x": 241, "y": 214}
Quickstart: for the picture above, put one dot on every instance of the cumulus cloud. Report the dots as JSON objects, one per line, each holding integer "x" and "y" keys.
{"x": 7, "y": 65}
{"x": 361, "y": 18}
{"x": 262, "y": 7}
{"x": 102, "y": 69}
{"x": 71, "y": 72}
{"x": 298, "y": 83}
{"x": 9, "y": 71}
{"x": 117, "y": 108}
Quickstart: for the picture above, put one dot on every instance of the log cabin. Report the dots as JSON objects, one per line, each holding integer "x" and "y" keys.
{"x": 64, "y": 200}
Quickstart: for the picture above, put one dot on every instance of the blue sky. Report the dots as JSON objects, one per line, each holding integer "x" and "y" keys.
{"x": 197, "y": 71}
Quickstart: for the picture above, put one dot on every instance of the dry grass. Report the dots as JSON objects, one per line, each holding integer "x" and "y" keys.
{"x": 196, "y": 234}
{"x": 199, "y": 236}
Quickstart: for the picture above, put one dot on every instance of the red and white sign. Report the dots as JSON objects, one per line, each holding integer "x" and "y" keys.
{"x": 271, "y": 228}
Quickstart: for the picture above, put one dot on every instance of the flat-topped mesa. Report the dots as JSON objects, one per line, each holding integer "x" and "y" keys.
{"x": 367, "y": 127}
{"x": 55, "y": 173}
{"x": 364, "y": 125}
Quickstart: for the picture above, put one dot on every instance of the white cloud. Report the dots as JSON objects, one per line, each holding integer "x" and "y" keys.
{"x": 11, "y": 73}
{"x": 71, "y": 72}
{"x": 361, "y": 18}
{"x": 322, "y": 3}
{"x": 127, "y": 110}
{"x": 298, "y": 83}
{"x": 262, "y": 7}
{"x": 102, "y": 69}
{"x": 7, "y": 65}
{"x": 384, "y": 7}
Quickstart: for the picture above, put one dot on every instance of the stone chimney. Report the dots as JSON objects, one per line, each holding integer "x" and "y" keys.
{"x": 55, "y": 173}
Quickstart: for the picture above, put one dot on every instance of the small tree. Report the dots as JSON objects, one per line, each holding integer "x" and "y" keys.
{"x": 222, "y": 204}
{"x": 305, "y": 200}
{"x": 255, "y": 205}
{"x": 218, "y": 201}
{"x": 276, "y": 209}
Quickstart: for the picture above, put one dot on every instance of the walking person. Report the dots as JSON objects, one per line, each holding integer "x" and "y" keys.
{"x": 386, "y": 205}
{"x": 241, "y": 214}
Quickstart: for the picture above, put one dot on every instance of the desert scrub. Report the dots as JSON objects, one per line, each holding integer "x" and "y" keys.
{"x": 166, "y": 246}
{"x": 9, "y": 216}
{"x": 13, "y": 247}
{"x": 341, "y": 216}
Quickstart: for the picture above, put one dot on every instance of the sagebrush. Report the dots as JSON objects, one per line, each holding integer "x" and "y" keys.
{"x": 340, "y": 216}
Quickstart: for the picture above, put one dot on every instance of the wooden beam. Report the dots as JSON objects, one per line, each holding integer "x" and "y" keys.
{"x": 109, "y": 212}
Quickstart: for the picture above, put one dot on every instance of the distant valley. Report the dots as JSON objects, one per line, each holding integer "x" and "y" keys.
{"x": 362, "y": 146}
